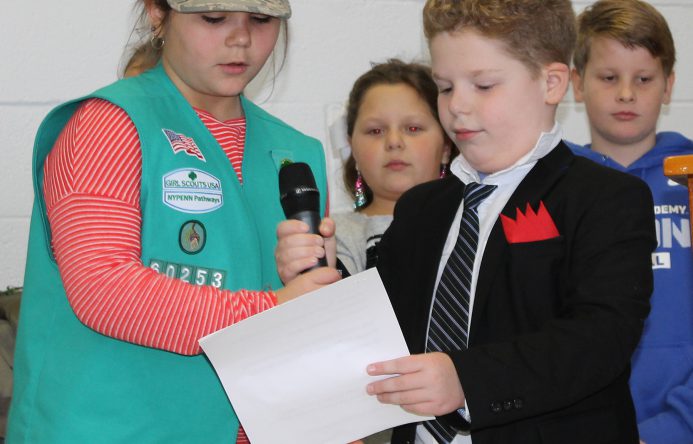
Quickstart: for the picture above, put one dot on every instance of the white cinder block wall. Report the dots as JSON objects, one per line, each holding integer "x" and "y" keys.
{"x": 51, "y": 54}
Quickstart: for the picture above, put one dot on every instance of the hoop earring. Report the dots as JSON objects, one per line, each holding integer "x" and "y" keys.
{"x": 360, "y": 192}
{"x": 156, "y": 41}
{"x": 444, "y": 170}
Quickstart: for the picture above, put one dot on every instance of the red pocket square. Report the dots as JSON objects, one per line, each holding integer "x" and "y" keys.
{"x": 529, "y": 227}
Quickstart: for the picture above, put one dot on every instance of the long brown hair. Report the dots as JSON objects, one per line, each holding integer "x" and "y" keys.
{"x": 142, "y": 54}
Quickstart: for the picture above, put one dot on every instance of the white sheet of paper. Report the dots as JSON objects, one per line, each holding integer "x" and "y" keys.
{"x": 297, "y": 373}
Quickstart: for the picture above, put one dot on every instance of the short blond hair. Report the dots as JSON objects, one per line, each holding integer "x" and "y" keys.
{"x": 536, "y": 32}
{"x": 633, "y": 23}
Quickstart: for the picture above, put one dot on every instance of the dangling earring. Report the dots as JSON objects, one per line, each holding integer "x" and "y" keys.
{"x": 444, "y": 170}
{"x": 156, "y": 41}
{"x": 360, "y": 192}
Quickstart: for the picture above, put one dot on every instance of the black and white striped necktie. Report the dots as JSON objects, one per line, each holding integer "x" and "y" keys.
{"x": 449, "y": 323}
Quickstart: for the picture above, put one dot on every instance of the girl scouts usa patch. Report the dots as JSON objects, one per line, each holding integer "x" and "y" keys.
{"x": 190, "y": 190}
{"x": 192, "y": 237}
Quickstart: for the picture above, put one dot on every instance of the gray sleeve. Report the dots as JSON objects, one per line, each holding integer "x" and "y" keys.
{"x": 351, "y": 241}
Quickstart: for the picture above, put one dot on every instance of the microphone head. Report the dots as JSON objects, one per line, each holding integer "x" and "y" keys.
{"x": 297, "y": 189}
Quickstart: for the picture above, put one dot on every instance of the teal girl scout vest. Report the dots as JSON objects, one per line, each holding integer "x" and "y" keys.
{"x": 74, "y": 385}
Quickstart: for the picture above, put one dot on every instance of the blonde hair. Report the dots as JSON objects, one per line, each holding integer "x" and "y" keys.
{"x": 633, "y": 23}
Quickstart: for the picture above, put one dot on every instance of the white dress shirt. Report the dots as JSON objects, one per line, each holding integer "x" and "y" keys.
{"x": 506, "y": 181}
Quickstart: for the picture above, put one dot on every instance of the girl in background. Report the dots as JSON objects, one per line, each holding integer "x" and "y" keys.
{"x": 396, "y": 143}
{"x": 153, "y": 226}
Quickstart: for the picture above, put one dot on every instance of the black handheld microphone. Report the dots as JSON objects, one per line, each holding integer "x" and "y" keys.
{"x": 300, "y": 198}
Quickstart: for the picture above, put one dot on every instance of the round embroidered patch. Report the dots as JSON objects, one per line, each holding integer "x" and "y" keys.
{"x": 192, "y": 237}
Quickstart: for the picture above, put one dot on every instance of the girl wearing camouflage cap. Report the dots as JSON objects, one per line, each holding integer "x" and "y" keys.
{"x": 154, "y": 225}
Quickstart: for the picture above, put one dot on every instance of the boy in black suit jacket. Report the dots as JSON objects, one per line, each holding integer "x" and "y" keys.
{"x": 553, "y": 264}
{"x": 561, "y": 277}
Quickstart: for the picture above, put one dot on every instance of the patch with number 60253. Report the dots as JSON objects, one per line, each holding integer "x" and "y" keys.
{"x": 191, "y": 274}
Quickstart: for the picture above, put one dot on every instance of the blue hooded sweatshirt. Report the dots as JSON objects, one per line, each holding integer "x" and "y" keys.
{"x": 662, "y": 366}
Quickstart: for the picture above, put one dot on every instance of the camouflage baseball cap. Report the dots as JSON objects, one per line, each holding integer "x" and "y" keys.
{"x": 274, "y": 8}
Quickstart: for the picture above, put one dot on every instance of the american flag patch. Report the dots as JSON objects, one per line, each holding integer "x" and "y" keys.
{"x": 180, "y": 142}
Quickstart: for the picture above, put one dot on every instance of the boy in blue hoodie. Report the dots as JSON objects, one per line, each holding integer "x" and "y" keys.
{"x": 624, "y": 73}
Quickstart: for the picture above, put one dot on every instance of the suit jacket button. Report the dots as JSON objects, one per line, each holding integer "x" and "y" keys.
{"x": 518, "y": 403}
{"x": 507, "y": 405}
{"x": 496, "y": 407}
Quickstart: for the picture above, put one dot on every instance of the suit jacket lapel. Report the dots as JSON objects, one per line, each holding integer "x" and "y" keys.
{"x": 440, "y": 210}
{"x": 532, "y": 189}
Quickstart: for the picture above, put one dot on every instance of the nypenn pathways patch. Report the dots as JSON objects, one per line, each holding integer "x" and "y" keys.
{"x": 190, "y": 190}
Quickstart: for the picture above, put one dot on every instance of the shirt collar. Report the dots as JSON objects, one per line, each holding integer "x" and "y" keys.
{"x": 545, "y": 144}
